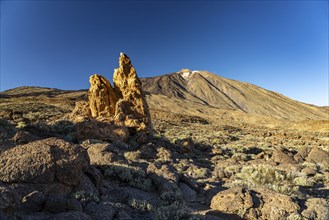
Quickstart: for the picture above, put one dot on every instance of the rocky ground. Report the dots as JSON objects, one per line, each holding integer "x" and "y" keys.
{"x": 53, "y": 166}
{"x": 190, "y": 168}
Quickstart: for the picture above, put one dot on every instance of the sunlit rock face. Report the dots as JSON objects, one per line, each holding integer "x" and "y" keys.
{"x": 125, "y": 103}
{"x": 132, "y": 107}
{"x": 102, "y": 98}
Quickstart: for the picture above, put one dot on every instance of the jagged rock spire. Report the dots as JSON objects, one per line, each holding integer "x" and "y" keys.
{"x": 125, "y": 102}
{"x": 132, "y": 107}
{"x": 102, "y": 98}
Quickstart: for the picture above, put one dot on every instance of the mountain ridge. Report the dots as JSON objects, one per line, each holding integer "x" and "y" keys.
{"x": 195, "y": 91}
{"x": 209, "y": 89}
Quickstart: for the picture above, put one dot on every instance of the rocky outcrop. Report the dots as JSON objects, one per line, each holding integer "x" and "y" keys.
{"x": 102, "y": 98}
{"x": 132, "y": 108}
{"x": 125, "y": 103}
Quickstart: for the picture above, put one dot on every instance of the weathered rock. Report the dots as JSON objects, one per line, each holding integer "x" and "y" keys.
{"x": 42, "y": 161}
{"x": 233, "y": 200}
{"x": 125, "y": 103}
{"x": 102, "y": 98}
{"x": 24, "y": 137}
{"x": 56, "y": 204}
{"x": 71, "y": 215}
{"x": 260, "y": 204}
{"x": 99, "y": 154}
{"x": 282, "y": 156}
{"x": 98, "y": 211}
{"x": 276, "y": 206}
{"x": 81, "y": 111}
{"x": 187, "y": 192}
{"x": 93, "y": 129}
{"x": 7, "y": 197}
{"x": 33, "y": 202}
{"x": 318, "y": 156}
{"x": 87, "y": 186}
{"x": 317, "y": 208}
{"x": 133, "y": 108}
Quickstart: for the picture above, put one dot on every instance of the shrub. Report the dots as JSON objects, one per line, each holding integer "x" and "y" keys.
{"x": 134, "y": 176}
{"x": 140, "y": 205}
{"x": 63, "y": 127}
{"x": 270, "y": 177}
{"x": 172, "y": 206}
{"x": 21, "y": 124}
{"x": 163, "y": 155}
{"x": 84, "y": 197}
{"x": 132, "y": 155}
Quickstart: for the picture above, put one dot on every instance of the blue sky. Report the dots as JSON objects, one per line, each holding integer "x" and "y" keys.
{"x": 278, "y": 45}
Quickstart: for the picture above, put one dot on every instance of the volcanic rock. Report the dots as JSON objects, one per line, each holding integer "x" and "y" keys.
{"x": 125, "y": 103}
{"x": 107, "y": 131}
{"x": 134, "y": 109}
{"x": 43, "y": 161}
{"x": 102, "y": 98}
{"x": 256, "y": 204}
{"x": 317, "y": 208}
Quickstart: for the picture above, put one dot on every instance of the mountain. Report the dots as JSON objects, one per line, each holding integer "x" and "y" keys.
{"x": 209, "y": 90}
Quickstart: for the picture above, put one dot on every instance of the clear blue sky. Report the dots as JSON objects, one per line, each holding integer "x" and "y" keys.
{"x": 278, "y": 45}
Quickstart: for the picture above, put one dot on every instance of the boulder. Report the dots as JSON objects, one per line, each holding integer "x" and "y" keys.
{"x": 233, "y": 200}
{"x": 99, "y": 211}
{"x": 100, "y": 155}
{"x": 276, "y": 205}
{"x": 43, "y": 161}
{"x": 33, "y": 201}
{"x": 187, "y": 192}
{"x": 260, "y": 204}
{"x": 319, "y": 156}
{"x": 282, "y": 156}
{"x": 317, "y": 208}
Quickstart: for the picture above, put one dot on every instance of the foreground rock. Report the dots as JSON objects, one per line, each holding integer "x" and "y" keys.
{"x": 260, "y": 204}
{"x": 43, "y": 161}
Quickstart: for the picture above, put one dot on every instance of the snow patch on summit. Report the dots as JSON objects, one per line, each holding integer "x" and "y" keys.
{"x": 185, "y": 75}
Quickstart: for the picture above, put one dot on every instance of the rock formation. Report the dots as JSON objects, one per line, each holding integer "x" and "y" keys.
{"x": 102, "y": 98}
{"x": 132, "y": 107}
{"x": 125, "y": 103}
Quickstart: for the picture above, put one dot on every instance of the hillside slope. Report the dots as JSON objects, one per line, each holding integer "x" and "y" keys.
{"x": 205, "y": 88}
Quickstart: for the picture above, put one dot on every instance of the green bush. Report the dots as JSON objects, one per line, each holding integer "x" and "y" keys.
{"x": 172, "y": 206}
{"x": 134, "y": 176}
{"x": 132, "y": 155}
{"x": 140, "y": 205}
{"x": 270, "y": 177}
{"x": 84, "y": 197}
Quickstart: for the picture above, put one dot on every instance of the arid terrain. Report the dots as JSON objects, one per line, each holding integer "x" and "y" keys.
{"x": 218, "y": 149}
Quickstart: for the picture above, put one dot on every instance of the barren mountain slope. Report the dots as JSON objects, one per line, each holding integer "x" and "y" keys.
{"x": 212, "y": 90}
